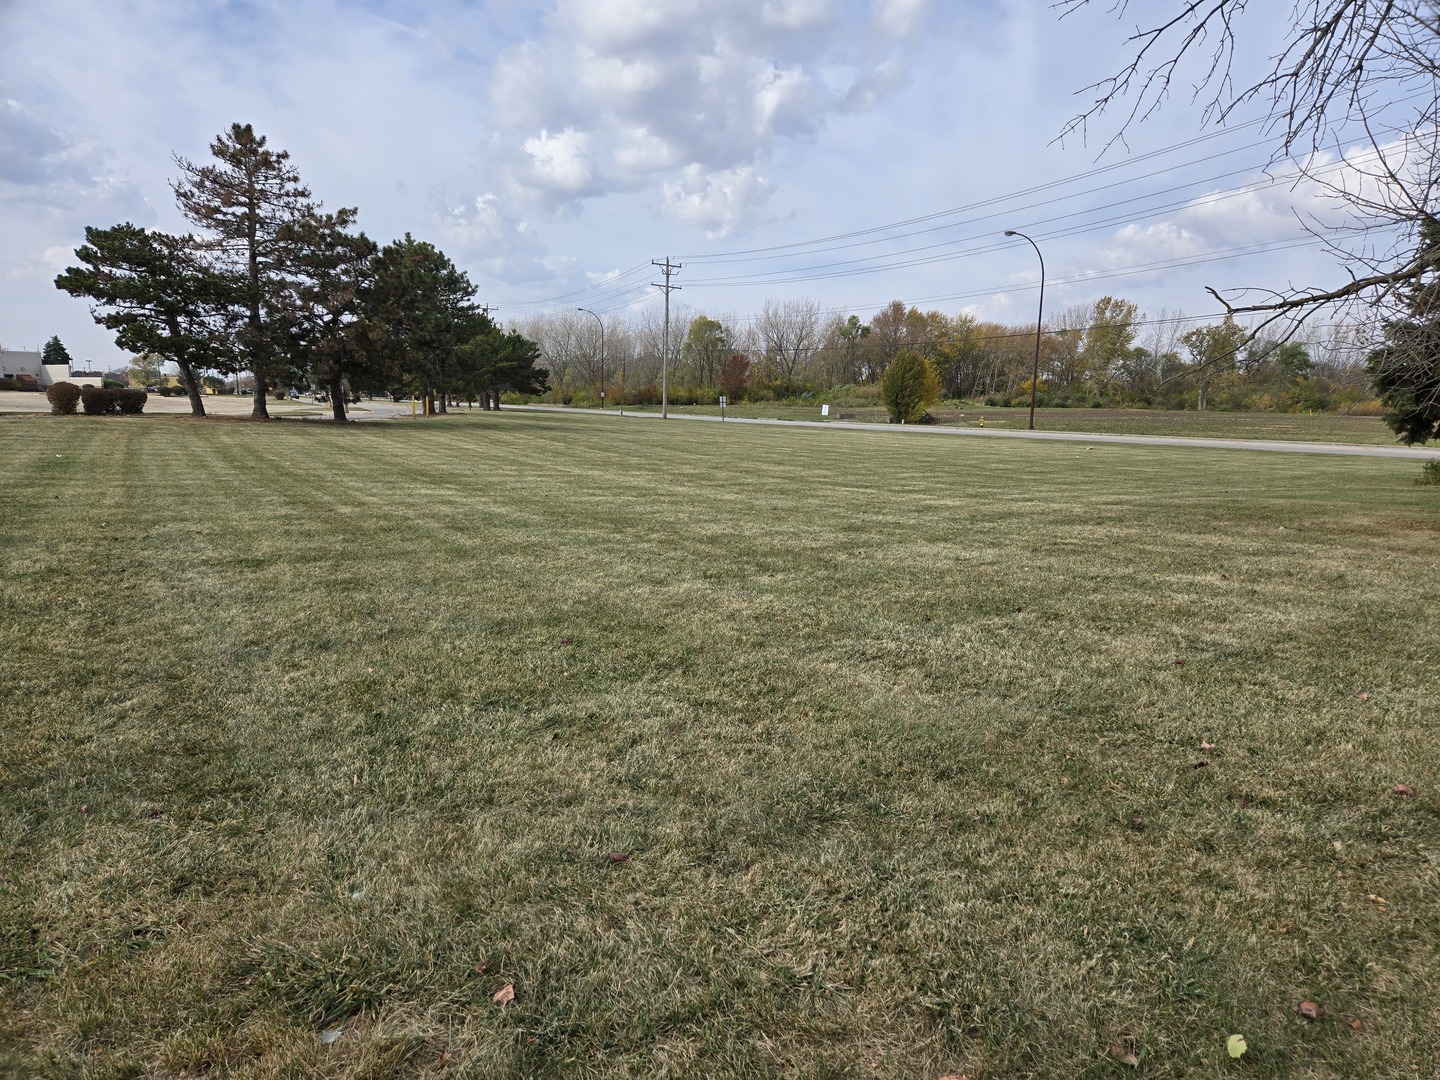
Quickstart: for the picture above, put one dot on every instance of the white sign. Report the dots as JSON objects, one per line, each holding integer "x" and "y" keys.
{"x": 723, "y": 402}
{"x": 824, "y": 410}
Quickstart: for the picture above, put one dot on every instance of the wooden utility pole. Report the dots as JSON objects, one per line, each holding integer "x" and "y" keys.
{"x": 668, "y": 268}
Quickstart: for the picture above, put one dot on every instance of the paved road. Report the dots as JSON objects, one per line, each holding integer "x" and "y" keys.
{"x": 1343, "y": 449}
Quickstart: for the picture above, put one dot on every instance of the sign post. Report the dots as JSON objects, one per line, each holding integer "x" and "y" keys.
{"x": 723, "y": 402}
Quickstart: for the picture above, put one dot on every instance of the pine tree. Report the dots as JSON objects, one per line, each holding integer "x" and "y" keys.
{"x": 494, "y": 363}
{"x": 252, "y": 210}
{"x": 55, "y": 353}
{"x": 159, "y": 298}
{"x": 1406, "y": 369}
{"x": 336, "y": 270}
{"x": 423, "y": 311}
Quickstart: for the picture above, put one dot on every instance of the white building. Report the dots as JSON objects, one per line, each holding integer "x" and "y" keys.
{"x": 30, "y": 370}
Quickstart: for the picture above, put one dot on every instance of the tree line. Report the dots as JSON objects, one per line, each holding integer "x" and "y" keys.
{"x": 1105, "y": 353}
{"x": 271, "y": 284}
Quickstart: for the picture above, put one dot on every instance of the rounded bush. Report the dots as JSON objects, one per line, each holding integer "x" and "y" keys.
{"x": 63, "y": 398}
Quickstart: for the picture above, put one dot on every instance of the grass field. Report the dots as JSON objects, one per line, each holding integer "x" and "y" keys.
{"x": 1303, "y": 427}
{"x": 932, "y": 756}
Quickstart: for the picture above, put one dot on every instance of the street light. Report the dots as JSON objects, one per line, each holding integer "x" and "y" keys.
{"x": 602, "y": 353}
{"x": 1039, "y": 321}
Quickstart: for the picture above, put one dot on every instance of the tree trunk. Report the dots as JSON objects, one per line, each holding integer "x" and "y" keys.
{"x": 192, "y": 388}
{"x": 337, "y": 399}
{"x": 258, "y": 410}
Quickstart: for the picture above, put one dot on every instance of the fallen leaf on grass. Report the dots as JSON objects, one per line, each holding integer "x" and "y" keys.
{"x": 1201, "y": 765}
{"x": 1125, "y": 1057}
{"x": 1206, "y": 747}
{"x": 1179, "y": 662}
{"x": 1403, "y": 790}
{"x": 505, "y": 995}
{"x": 1236, "y": 1046}
{"x": 1363, "y": 696}
{"x": 1243, "y": 802}
{"x": 619, "y": 856}
{"x": 1357, "y": 1025}
{"x": 1309, "y": 1010}
{"x": 329, "y": 1036}
{"x": 1137, "y": 823}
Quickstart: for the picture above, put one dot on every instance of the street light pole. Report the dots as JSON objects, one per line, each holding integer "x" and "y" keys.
{"x": 1039, "y": 322}
{"x": 602, "y": 352}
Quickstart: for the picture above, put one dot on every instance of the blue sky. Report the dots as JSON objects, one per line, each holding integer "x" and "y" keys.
{"x": 773, "y": 147}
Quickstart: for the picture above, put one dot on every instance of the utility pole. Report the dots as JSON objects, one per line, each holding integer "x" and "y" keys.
{"x": 668, "y": 268}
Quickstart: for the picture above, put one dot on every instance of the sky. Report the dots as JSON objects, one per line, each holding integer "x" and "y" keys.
{"x": 852, "y": 152}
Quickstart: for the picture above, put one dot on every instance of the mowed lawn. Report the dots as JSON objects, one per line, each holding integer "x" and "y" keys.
{"x": 929, "y": 756}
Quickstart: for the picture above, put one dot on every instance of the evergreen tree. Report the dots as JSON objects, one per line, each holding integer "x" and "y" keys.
{"x": 55, "y": 353}
{"x": 1406, "y": 369}
{"x": 252, "y": 210}
{"x": 336, "y": 278}
{"x": 423, "y": 311}
{"x": 495, "y": 363}
{"x": 160, "y": 299}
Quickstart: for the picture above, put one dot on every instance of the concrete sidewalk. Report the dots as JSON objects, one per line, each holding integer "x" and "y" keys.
{"x": 1342, "y": 449}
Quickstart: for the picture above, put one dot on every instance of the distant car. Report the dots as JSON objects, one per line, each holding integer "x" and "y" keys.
{"x": 294, "y": 395}
{"x": 152, "y": 389}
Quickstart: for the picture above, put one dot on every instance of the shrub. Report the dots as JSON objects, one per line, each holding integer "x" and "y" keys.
{"x": 63, "y": 398}
{"x": 108, "y": 401}
{"x": 1429, "y": 474}
{"x": 782, "y": 388}
{"x": 99, "y": 401}
{"x": 910, "y": 386}
{"x": 9, "y": 384}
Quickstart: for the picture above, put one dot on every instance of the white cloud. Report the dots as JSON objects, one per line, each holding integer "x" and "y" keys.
{"x": 45, "y": 265}
{"x": 795, "y": 14}
{"x": 559, "y": 162}
{"x": 899, "y": 18}
{"x": 1135, "y": 244}
{"x": 623, "y": 95}
{"x": 717, "y": 202}
{"x": 1270, "y": 209}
